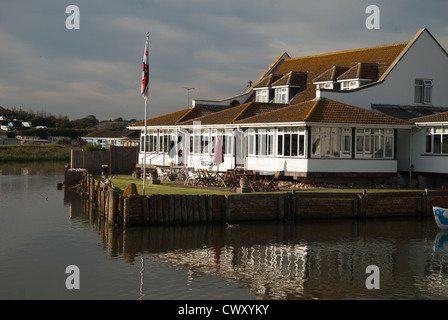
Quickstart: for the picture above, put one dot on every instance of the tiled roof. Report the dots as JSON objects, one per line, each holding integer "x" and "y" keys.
{"x": 331, "y": 111}
{"x": 107, "y": 134}
{"x": 174, "y": 118}
{"x": 234, "y": 114}
{"x": 317, "y": 65}
{"x": 267, "y": 82}
{"x": 325, "y": 111}
{"x": 331, "y": 74}
{"x": 361, "y": 70}
{"x": 292, "y": 79}
{"x": 438, "y": 117}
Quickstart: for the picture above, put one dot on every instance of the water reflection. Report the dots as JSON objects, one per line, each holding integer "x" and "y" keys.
{"x": 306, "y": 260}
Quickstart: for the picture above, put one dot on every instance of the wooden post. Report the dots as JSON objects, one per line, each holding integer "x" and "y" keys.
{"x": 424, "y": 204}
{"x": 228, "y": 208}
{"x": 281, "y": 208}
{"x": 202, "y": 209}
{"x": 152, "y": 209}
{"x": 362, "y": 205}
{"x": 190, "y": 209}
{"x": 210, "y": 207}
{"x": 159, "y": 217}
{"x": 171, "y": 205}
{"x": 356, "y": 207}
{"x": 145, "y": 208}
{"x": 113, "y": 207}
{"x": 127, "y": 211}
{"x": 195, "y": 209}
{"x": 183, "y": 208}
{"x": 178, "y": 209}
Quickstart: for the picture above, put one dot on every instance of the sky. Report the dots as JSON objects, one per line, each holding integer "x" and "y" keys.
{"x": 215, "y": 47}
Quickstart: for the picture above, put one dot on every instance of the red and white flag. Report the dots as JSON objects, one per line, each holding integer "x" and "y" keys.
{"x": 145, "y": 71}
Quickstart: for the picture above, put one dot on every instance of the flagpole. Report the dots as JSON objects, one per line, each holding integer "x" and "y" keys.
{"x": 144, "y": 150}
{"x": 145, "y": 94}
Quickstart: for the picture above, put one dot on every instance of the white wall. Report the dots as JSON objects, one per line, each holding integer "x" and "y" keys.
{"x": 352, "y": 165}
{"x": 423, "y": 162}
{"x": 425, "y": 60}
{"x": 322, "y": 165}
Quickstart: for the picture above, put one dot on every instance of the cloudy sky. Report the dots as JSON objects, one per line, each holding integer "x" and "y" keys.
{"x": 213, "y": 46}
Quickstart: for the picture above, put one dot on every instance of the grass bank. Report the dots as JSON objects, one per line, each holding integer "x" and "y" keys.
{"x": 29, "y": 152}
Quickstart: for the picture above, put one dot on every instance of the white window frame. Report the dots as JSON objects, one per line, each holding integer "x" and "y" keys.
{"x": 371, "y": 143}
{"x": 437, "y": 137}
{"x": 339, "y": 141}
{"x": 281, "y": 95}
{"x": 262, "y": 95}
{"x": 300, "y": 146}
{"x": 425, "y": 87}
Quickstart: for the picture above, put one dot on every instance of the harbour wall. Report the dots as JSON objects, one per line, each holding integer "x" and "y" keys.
{"x": 164, "y": 209}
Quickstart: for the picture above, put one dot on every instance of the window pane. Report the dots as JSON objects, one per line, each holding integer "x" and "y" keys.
{"x": 294, "y": 142}
{"x": 346, "y": 148}
{"x": 270, "y": 145}
{"x": 388, "y": 147}
{"x": 359, "y": 145}
{"x": 325, "y": 148}
{"x": 335, "y": 145}
{"x": 428, "y": 143}
{"x": 437, "y": 143}
{"x": 428, "y": 93}
{"x": 280, "y": 145}
{"x": 444, "y": 143}
{"x": 251, "y": 144}
{"x": 287, "y": 145}
{"x": 315, "y": 142}
{"x": 379, "y": 152}
{"x": 301, "y": 145}
{"x": 418, "y": 95}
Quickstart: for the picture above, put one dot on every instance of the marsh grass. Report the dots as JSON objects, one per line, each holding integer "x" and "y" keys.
{"x": 30, "y": 152}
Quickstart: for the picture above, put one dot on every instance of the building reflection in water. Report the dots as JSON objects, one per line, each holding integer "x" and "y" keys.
{"x": 302, "y": 260}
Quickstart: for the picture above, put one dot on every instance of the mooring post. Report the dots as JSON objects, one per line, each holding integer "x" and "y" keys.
{"x": 127, "y": 211}
{"x": 113, "y": 207}
{"x": 145, "y": 208}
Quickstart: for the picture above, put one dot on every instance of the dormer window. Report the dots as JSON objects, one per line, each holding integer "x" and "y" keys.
{"x": 348, "y": 85}
{"x": 281, "y": 95}
{"x": 325, "y": 85}
{"x": 262, "y": 95}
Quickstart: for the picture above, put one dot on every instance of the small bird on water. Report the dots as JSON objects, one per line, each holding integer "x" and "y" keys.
{"x": 231, "y": 225}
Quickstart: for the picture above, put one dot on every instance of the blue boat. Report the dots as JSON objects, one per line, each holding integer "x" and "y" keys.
{"x": 441, "y": 216}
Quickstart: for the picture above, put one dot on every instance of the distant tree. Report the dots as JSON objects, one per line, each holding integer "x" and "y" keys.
{"x": 86, "y": 122}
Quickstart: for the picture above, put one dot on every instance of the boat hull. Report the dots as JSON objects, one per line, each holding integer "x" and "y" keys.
{"x": 441, "y": 217}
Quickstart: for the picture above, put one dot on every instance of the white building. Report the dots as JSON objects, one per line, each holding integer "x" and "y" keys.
{"x": 344, "y": 113}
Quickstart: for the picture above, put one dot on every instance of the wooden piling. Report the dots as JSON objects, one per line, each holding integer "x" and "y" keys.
{"x": 103, "y": 202}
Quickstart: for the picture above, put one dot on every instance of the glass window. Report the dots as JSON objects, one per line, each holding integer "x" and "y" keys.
{"x": 423, "y": 91}
{"x": 291, "y": 142}
{"x": 331, "y": 142}
{"x": 374, "y": 143}
{"x": 281, "y": 95}
{"x": 262, "y": 95}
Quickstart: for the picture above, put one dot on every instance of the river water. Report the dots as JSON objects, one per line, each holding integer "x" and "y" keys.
{"x": 44, "y": 230}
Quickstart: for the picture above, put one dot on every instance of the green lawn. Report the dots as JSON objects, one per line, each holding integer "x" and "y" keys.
{"x": 165, "y": 187}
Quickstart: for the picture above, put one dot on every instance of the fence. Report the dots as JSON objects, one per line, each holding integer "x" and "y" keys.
{"x": 162, "y": 209}
{"x": 119, "y": 159}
